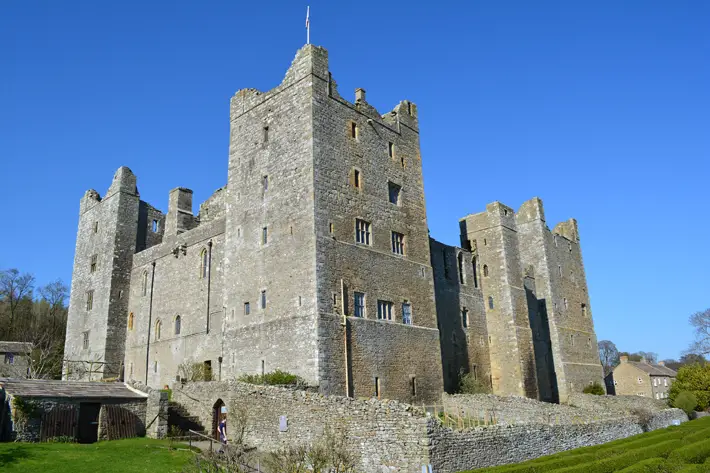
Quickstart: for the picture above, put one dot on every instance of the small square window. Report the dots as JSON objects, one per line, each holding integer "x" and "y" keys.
{"x": 394, "y": 192}
{"x": 247, "y": 309}
{"x": 384, "y": 310}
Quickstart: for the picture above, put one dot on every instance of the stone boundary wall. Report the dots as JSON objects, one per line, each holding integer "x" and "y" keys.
{"x": 620, "y": 404}
{"x": 156, "y": 410}
{"x": 387, "y": 435}
{"x": 393, "y": 437}
{"x": 453, "y": 451}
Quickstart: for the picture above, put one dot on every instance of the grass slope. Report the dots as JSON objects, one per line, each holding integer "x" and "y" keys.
{"x": 679, "y": 449}
{"x": 137, "y": 455}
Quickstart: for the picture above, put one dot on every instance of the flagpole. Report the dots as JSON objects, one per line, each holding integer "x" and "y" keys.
{"x": 308, "y": 25}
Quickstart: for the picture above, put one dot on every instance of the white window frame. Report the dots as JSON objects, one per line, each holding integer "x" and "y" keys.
{"x": 385, "y": 310}
{"x": 363, "y": 232}
{"x": 359, "y": 304}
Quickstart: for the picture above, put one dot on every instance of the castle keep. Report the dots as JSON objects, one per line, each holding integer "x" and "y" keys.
{"x": 315, "y": 259}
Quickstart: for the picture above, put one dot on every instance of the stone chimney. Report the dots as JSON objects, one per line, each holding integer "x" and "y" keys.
{"x": 624, "y": 359}
{"x": 179, "y": 218}
{"x": 360, "y": 95}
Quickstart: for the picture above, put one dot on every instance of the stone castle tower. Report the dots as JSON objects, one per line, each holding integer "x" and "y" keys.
{"x": 315, "y": 259}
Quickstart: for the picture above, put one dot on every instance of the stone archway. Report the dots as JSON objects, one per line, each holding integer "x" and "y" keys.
{"x": 217, "y": 415}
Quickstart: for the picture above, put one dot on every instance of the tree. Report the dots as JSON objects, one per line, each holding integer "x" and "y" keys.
{"x": 701, "y": 323}
{"x": 692, "y": 358}
{"x": 649, "y": 356}
{"x": 694, "y": 379}
{"x": 609, "y": 355}
{"x": 15, "y": 288}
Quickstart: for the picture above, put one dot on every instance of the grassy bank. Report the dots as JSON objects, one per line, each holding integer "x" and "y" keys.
{"x": 684, "y": 448}
{"x": 139, "y": 455}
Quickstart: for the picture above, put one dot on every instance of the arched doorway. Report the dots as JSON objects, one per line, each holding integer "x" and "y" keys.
{"x": 217, "y": 415}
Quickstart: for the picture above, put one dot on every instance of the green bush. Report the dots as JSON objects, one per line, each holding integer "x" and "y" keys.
{"x": 692, "y": 453}
{"x": 595, "y": 388}
{"x": 468, "y": 384}
{"x": 685, "y": 400}
{"x": 274, "y": 378}
{"x": 694, "y": 379}
{"x": 652, "y": 465}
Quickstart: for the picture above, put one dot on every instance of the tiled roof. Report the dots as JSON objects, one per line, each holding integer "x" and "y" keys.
{"x": 15, "y": 347}
{"x": 653, "y": 370}
{"x": 69, "y": 389}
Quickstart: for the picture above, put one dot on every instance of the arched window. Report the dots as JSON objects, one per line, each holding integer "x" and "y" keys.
{"x": 158, "y": 326}
{"x": 204, "y": 262}
{"x": 475, "y": 271}
{"x": 144, "y": 283}
{"x": 490, "y": 302}
{"x": 485, "y": 270}
{"x": 130, "y": 321}
{"x": 460, "y": 262}
{"x": 177, "y": 325}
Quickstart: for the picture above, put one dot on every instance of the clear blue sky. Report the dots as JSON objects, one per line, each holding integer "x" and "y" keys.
{"x": 601, "y": 108}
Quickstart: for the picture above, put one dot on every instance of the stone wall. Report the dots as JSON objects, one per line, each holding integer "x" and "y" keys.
{"x": 155, "y": 412}
{"x": 386, "y": 435}
{"x": 396, "y": 437}
{"x": 618, "y": 404}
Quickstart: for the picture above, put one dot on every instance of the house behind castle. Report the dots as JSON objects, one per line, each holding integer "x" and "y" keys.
{"x": 640, "y": 378}
{"x": 315, "y": 258}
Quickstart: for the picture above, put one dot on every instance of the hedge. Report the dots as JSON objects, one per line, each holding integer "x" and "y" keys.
{"x": 652, "y": 465}
{"x": 623, "y": 460}
{"x": 693, "y": 453}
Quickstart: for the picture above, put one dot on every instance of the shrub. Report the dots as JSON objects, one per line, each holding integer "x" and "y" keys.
{"x": 595, "y": 388}
{"x": 274, "y": 378}
{"x": 195, "y": 371}
{"x": 468, "y": 384}
{"x": 645, "y": 416}
{"x": 694, "y": 379}
{"x": 685, "y": 400}
{"x": 692, "y": 453}
{"x": 623, "y": 460}
{"x": 652, "y": 465}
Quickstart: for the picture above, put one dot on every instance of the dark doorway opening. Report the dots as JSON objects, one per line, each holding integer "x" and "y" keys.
{"x": 217, "y": 415}
{"x": 89, "y": 422}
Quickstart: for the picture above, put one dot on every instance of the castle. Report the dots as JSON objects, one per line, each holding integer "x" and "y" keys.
{"x": 315, "y": 259}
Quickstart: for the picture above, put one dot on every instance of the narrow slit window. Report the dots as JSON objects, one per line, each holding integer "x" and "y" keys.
{"x": 357, "y": 181}
{"x": 407, "y": 313}
{"x": 246, "y": 308}
{"x": 462, "y": 279}
{"x": 85, "y": 340}
{"x": 464, "y": 317}
{"x": 584, "y": 310}
{"x": 96, "y": 227}
{"x": 263, "y": 299}
{"x": 89, "y": 300}
{"x": 204, "y": 263}
{"x": 490, "y": 302}
{"x": 178, "y": 325}
{"x": 353, "y": 130}
{"x": 265, "y": 183}
{"x": 264, "y": 235}
{"x": 266, "y": 134}
{"x": 94, "y": 263}
{"x": 475, "y": 271}
{"x": 414, "y": 385}
{"x": 390, "y": 149}
{"x": 131, "y": 318}
{"x": 378, "y": 391}
{"x": 158, "y": 327}
{"x": 155, "y": 226}
{"x": 485, "y": 270}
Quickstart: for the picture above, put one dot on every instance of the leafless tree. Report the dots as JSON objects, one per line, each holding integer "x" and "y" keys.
{"x": 55, "y": 293}
{"x": 608, "y": 355}
{"x": 701, "y": 323}
{"x": 649, "y": 356}
{"x": 14, "y": 289}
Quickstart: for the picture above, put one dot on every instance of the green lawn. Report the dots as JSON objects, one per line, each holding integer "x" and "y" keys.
{"x": 682, "y": 449}
{"x": 120, "y": 456}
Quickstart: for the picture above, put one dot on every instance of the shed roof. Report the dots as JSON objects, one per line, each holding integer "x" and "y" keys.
{"x": 69, "y": 389}
{"x": 15, "y": 347}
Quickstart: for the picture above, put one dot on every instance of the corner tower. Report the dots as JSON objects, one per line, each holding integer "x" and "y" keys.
{"x": 98, "y": 302}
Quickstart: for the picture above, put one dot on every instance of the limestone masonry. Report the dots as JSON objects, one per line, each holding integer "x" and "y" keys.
{"x": 315, "y": 258}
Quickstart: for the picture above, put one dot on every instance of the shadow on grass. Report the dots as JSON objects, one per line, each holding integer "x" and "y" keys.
{"x": 13, "y": 455}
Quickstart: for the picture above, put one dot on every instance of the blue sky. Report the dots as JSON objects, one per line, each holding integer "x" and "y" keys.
{"x": 600, "y": 108}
